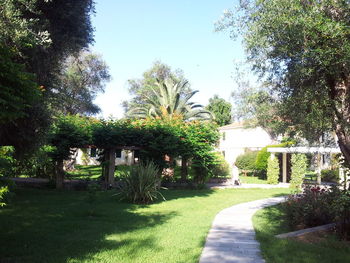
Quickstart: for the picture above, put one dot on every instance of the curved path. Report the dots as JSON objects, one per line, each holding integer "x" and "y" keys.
{"x": 231, "y": 238}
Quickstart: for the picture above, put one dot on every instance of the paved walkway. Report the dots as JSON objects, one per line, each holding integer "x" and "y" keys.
{"x": 232, "y": 237}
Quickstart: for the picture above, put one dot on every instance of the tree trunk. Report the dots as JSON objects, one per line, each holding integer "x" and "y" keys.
{"x": 340, "y": 94}
{"x": 59, "y": 174}
{"x": 109, "y": 168}
{"x": 184, "y": 169}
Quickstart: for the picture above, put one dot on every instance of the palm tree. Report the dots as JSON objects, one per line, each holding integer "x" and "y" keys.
{"x": 167, "y": 99}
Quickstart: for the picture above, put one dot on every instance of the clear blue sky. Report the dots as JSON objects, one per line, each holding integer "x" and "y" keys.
{"x": 132, "y": 34}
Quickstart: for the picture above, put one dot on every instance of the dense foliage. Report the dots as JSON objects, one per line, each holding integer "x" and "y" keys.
{"x": 299, "y": 166}
{"x": 35, "y": 38}
{"x": 168, "y": 99}
{"x": 220, "y": 168}
{"x": 142, "y": 87}
{"x": 301, "y": 48}
{"x": 273, "y": 170}
{"x": 330, "y": 175}
{"x": 316, "y": 206}
{"x": 247, "y": 161}
{"x": 155, "y": 137}
{"x": 263, "y": 157}
{"x": 221, "y": 110}
{"x": 81, "y": 78}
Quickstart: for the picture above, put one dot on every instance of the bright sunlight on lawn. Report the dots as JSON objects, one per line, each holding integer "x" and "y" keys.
{"x": 270, "y": 221}
{"x": 53, "y": 226}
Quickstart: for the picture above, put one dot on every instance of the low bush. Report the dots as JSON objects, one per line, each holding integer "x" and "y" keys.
{"x": 220, "y": 168}
{"x": 140, "y": 184}
{"x": 329, "y": 175}
{"x": 273, "y": 171}
{"x": 316, "y": 206}
{"x": 246, "y": 161}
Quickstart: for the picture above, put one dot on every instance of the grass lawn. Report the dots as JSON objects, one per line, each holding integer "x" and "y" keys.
{"x": 94, "y": 171}
{"x": 251, "y": 180}
{"x": 56, "y": 226}
{"x": 270, "y": 221}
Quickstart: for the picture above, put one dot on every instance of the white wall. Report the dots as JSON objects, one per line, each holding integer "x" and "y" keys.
{"x": 86, "y": 159}
{"x": 237, "y": 140}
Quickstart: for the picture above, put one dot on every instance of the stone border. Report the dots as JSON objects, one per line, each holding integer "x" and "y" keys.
{"x": 306, "y": 231}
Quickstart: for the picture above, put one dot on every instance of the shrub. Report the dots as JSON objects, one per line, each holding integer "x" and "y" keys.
{"x": 299, "y": 165}
{"x": 140, "y": 184}
{"x": 220, "y": 168}
{"x": 246, "y": 161}
{"x": 316, "y": 206}
{"x": 263, "y": 157}
{"x": 310, "y": 208}
{"x": 329, "y": 175}
{"x": 4, "y": 190}
{"x": 273, "y": 171}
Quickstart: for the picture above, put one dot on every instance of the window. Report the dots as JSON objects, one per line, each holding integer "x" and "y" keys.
{"x": 118, "y": 153}
{"x": 93, "y": 152}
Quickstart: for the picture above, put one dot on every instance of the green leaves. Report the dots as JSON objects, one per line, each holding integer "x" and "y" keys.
{"x": 299, "y": 165}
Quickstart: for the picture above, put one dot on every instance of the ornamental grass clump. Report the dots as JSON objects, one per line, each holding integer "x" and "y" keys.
{"x": 140, "y": 184}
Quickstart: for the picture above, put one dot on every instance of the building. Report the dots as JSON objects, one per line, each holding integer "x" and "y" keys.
{"x": 236, "y": 139}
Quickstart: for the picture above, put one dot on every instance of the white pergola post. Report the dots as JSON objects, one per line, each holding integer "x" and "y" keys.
{"x": 272, "y": 156}
{"x": 132, "y": 161}
{"x": 284, "y": 168}
{"x": 319, "y": 163}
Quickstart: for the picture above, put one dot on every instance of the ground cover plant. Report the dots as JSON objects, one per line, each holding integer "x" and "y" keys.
{"x": 271, "y": 221}
{"x": 57, "y": 226}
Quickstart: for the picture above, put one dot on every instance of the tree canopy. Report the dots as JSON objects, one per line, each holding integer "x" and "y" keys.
{"x": 301, "y": 49}
{"x": 159, "y": 72}
{"x": 82, "y": 77}
{"x": 221, "y": 109}
{"x": 168, "y": 100}
{"x": 35, "y": 38}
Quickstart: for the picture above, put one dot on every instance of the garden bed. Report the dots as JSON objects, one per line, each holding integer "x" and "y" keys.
{"x": 312, "y": 248}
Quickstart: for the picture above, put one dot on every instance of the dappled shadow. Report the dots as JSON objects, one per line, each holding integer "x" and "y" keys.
{"x": 188, "y": 193}
{"x": 51, "y": 226}
{"x": 271, "y": 221}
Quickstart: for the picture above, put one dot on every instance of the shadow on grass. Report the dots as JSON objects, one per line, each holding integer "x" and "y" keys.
{"x": 271, "y": 221}
{"x": 51, "y": 226}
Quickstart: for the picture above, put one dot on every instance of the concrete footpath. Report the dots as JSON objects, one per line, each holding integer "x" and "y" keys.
{"x": 232, "y": 237}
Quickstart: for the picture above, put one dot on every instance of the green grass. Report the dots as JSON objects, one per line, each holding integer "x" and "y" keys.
{"x": 57, "y": 226}
{"x": 251, "y": 180}
{"x": 271, "y": 221}
{"x": 93, "y": 171}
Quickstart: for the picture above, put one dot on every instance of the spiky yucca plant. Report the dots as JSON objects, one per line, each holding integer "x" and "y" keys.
{"x": 140, "y": 184}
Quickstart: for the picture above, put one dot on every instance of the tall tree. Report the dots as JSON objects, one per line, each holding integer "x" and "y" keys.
{"x": 159, "y": 72}
{"x": 167, "y": 100}
{"x": 40, "y": 34}
{"x": 301, "y": 48}
{"x": 82, "y": 77}
{"x": 221, "y": 109}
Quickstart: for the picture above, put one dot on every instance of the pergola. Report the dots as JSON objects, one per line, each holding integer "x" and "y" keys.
{"x": 110, "y": 158}
{"x": 314, "y": 150}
